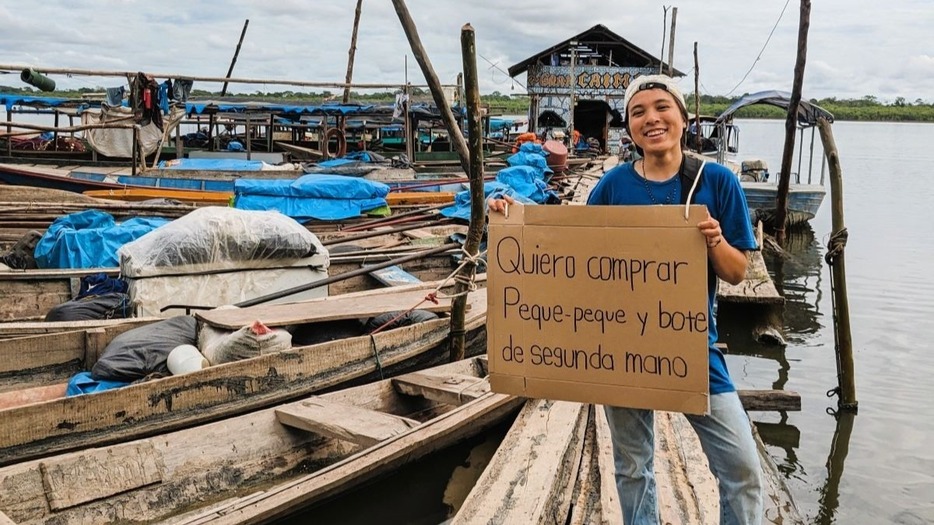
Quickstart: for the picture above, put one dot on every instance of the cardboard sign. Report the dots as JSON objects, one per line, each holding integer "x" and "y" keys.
{"x": 599, "y": 304}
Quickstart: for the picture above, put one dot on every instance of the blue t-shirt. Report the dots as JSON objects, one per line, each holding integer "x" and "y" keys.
{"x": 720, "y": 191}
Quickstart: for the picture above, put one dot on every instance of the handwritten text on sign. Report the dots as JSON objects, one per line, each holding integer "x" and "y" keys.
{"x": 600, "y": 299}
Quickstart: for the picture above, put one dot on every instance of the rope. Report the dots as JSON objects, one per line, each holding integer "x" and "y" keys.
{"x": 434, "y": 295}
{"x": 835, "y": 245}
{"x": 379, "y": 365}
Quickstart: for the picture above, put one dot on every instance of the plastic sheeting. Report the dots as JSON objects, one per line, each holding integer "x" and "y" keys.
{"x": 215, "y": 238}
{"x": 118, "y": 143}
{"x": 89, "y": 239}
{"x": 527, "y": 182}
{"x": 461, "y": 207}
{"x": 200, "y": 164}
{"x": 322, "y": 197}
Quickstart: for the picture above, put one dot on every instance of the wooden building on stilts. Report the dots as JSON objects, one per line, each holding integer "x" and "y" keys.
{"x": 592, "y": 68}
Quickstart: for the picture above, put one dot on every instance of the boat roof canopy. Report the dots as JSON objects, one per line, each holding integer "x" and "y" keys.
{"x": 808, "y": 113}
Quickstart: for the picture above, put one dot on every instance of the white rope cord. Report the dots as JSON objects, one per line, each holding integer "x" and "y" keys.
{"x": 687, "y": 203}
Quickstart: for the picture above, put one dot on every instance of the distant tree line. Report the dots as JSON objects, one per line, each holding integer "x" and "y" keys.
{"x": 868, "y": 108}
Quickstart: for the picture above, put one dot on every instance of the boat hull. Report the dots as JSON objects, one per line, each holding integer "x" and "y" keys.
{"x": 803, "y": 200}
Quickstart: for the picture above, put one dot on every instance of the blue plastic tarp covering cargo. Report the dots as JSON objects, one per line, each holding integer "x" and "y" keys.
{"x": 357, "y": 156}
{"x": 212, "y": 164}
{"x": 528, "y": 156}
{"x": 461, "y": 207}
{"x": 89, "y": 239}
{"x": 84, "y": 383}
{"x": 528, "y": 182}
{"x": 322, "y": 197}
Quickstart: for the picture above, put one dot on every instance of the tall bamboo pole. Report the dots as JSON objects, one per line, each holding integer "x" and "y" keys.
{"x": 212, "y": 119}
{"x": 698, "y": 136}
{"x": 353, "y": 50}
{"x": 671, "y": 43}
{"x": 791, "y": 122}
{"x": 477, "y": 202}
{"x": 454, "y": 133}
{"x": 846, "y": 370}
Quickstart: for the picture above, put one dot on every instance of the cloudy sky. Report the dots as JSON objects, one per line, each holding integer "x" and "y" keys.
{"x": 855, "y": 47}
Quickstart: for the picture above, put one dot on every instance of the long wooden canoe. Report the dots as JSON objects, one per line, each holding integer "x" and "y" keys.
{"x": 160, "y": 405}
{"x": 339, "y": 440}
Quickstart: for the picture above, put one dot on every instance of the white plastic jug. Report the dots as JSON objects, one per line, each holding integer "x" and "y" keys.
{"x": 184, "y": 359}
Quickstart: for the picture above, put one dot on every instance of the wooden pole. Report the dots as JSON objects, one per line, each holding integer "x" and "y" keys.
{"x": 791, "y": 123}
{"x": 454, "y": 132}
{"x": 353, "y": 50}
{"x": 671, "y": 43}
{"x": 477, "y": 202}
{"x": 846, "y": 374}
{"x": 661, "y": 55}
{"x": 233, "y": 80}
{"x": 697, "y": 129}
{"x": 233, "y": 62}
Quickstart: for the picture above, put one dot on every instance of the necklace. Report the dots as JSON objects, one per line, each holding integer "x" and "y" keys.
{"x": 669, "y": 198}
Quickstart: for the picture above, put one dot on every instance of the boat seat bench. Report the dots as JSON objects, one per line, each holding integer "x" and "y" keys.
{"x": 351, "y": 423}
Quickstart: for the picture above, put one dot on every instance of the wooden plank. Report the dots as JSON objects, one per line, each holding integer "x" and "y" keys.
{"x": 762, "y": 400}
{"x": 756, "y": 288}
{"x": 345, "y": 422}
{"x": 394, "y": 276}
{"x": 4, "y": 520}
{"x": 453, "y": 389}
{"x": 74, "y": 479}
{"x": 24, "y": 353}
{"x": 113, "y": 326}
{"x": 27, "y": 396}
{"x": 329, "y": 309}
{"x": 527, "y": 479}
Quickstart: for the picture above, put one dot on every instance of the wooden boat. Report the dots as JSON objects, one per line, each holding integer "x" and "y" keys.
{"x": 571, "y": 441}
{"x": 555, "y": 465}
{"x": 28, "y": 295}
{"x": 275, "y": 451}
{"x": 145, "y": 408}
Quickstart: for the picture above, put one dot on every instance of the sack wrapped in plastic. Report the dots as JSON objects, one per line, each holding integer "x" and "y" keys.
{"x": 216, "y": 238}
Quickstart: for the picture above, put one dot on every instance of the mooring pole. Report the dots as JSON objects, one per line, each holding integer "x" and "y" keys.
{"x": 698, "y": 135}
{"x": 233, "y": 62}
{"x": 353, "y": 50}
{"x": 466, "y": 273}
{"x": 671, "y": 43}
{"x": 447, "y": 116}
{"x": 791, "y": 123}
{"x": 846, "y": 374}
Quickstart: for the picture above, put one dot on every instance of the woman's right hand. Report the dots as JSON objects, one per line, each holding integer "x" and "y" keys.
{"x": 500, "y": 205}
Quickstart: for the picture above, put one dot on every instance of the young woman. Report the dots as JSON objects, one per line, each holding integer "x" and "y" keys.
{"x": 656, "y": 118}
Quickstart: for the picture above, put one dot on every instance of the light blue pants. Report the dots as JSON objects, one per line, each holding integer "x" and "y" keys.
{"x": 725, "y": 437}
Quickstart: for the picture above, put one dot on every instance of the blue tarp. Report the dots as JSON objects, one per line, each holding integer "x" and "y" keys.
{"x": 89, "y": 239}
{"x": 84, "y": 383}
{"x": 242, "y": 107}
{"x": 9, "y": 100}
{"x": 461, "y": 207}
{"x": 323, "y": 197}
{"x": 355, "y": 157}
{"x": 525, "y": 181}
{"x": 212, "y": 164}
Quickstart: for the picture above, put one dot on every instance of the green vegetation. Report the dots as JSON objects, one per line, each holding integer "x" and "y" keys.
{"x": 868, "y": 108}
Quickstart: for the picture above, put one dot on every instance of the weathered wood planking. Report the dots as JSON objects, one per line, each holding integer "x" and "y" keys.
{"x": 27, "y": 328}
{"x": 387, "y": 456}
{"x": 97, "y": 473}
{"x": 527, "y": 479}
{"x": 230, "y": 457}
{"x": 219, "y": 391}
{"x": 360, "y": 426}
{"x": 756, "y": 288}
{"x": 328, "y": 309}
{"x": 453, "y": 389}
